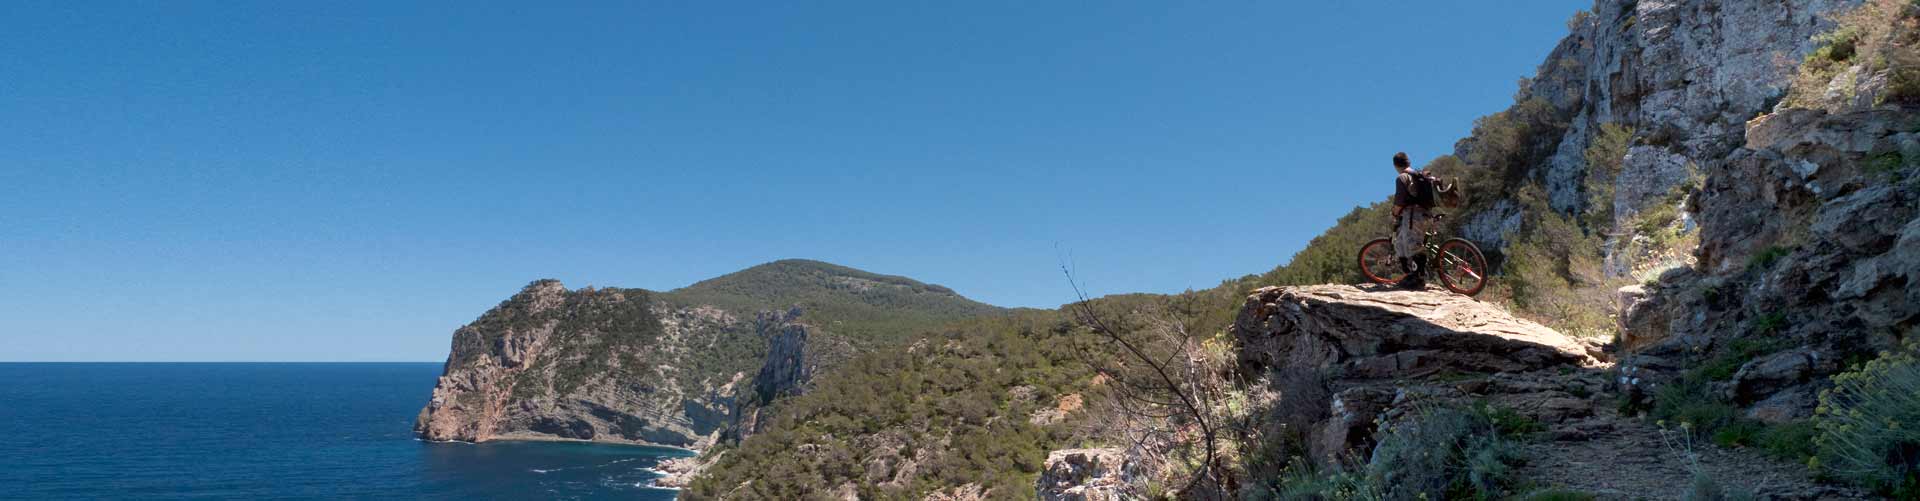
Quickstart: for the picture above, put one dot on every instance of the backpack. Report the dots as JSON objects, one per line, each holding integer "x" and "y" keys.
{"x": 1430, "y": 191}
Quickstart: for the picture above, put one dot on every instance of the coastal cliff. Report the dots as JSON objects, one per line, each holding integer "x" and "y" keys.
{"x": 589, "y": 364}
{"x": 677, "y": 368}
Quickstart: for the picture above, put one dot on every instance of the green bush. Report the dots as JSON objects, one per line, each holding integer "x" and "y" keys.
{"x": 1769, "y": 323}
{"x": 1688, "y": 403}
{"x": 1553, "y": 269}
{"x": 1765, "y": 258}
{"x": 1444, "y": 454}
{"x": 1302, "y": 481}
{"x": 1603, "y": 155}
{"x": 1738, "y": 433}
{"x": 1869, "y": 424}
{"x": 1890, "y": 165}
{"x": 1790, "y": 441}
{"x": 1506, "y": 420}
{"x": 1741, "y": 350}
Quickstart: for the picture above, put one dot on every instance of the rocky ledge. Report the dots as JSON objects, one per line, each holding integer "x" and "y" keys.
{"x": 1383, "y": 333}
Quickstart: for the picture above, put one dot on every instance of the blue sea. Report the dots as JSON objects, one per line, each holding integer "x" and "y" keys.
{"x": 273, "y": 431}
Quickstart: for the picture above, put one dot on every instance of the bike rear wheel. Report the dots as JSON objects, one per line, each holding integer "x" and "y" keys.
{"x": 1378, "y": 264}
{"x": 1463, "y": 269}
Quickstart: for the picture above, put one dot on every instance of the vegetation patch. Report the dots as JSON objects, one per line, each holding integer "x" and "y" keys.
{"x": 1890, "y": 165}
{"x": 1506, "y": 420}
{"x": 1879, "y": 36}
{"x": 1438, "y": 453}
{"x": 1739, "y": 351}
{"x": 1868, "y": 425}
{"x": 1766, "y": 257}
{"x": 948, "y": 403}
{"x": 1604, "y": 152}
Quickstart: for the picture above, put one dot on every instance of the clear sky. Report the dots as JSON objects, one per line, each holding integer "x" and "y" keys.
{"x": 353, "y": 180}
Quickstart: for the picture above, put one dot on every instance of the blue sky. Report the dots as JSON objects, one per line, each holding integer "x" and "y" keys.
{"x": 353, "y": 180}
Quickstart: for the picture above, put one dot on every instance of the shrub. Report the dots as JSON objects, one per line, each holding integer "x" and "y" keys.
{"x": 1444, "y": 454}
{"x": 1767, "y": 324}
{"x": 1790, "y": 441}
{"x": 1603, "y": 155}
{"x": 1738, "y": 433}
{"x": 1687, "y": 404}
{"x": 1553, "y": 271}
{"x": 1741, "y": 350}
{"x": 1887, "y": 165}
{"x": 1302, "y": 481}
{"x": 1506, "y": 420}
{"x": 1765, "y": 258}
{"x": 1869, "y": 424}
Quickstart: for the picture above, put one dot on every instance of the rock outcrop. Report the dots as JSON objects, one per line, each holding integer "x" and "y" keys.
{"x": 1374, "y": 334}
{"x": 1090, "y": 475}
{"x": 1389, "y": 352}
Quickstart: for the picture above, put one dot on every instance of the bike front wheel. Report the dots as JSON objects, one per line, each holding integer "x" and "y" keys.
{"x": 1378, "y": 264}
{"x": 1462, "y": 268}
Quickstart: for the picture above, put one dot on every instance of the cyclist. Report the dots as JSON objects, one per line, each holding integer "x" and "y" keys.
{"x": 1410, "y": 220}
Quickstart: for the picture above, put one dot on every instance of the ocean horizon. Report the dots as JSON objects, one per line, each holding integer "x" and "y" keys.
{"x": 231, "y": 430}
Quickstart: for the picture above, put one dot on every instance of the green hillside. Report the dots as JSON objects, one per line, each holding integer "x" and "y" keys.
{"x": 865, "y": 308}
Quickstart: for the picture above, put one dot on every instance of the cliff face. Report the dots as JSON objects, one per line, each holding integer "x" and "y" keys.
{"x": 1684, "y": 76}
{"x": 676, "y": 368}
{"x": 1809, "y": 250}
{"x": 1761, "y": 195}
{"x": 607, "y": 364}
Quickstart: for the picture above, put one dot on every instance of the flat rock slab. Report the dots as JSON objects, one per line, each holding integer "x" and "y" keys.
{"x": 1362, "y": 333}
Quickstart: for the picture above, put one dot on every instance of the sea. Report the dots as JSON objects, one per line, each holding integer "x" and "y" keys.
{"x": 274, "y": 431}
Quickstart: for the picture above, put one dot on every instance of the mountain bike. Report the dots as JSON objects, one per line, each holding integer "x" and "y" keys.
{"x": 1459, "y": 264}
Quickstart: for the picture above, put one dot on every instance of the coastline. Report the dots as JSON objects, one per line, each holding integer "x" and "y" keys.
{"x": 528, "y": 437}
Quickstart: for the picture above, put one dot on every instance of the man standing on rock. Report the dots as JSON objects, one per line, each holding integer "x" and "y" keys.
{"x": 1410, "y": 219}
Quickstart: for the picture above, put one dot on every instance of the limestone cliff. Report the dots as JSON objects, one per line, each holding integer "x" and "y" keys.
{"x": 1683, "y": 75}
{"x": 605, "y": 364}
